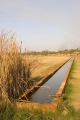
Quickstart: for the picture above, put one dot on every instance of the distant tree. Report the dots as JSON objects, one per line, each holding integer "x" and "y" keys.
{"x": 45, "y": 52}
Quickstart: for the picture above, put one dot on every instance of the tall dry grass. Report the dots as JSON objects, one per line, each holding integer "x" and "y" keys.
{"x": 15, "y": 69}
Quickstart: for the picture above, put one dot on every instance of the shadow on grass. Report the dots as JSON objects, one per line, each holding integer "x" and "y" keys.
{"x": 7, "y": 110}
{"x": 36, "y": 79}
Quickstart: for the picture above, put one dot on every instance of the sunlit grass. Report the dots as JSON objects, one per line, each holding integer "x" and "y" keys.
{"x": 15, "y": 68}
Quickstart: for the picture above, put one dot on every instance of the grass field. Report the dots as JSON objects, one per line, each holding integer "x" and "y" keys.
{"x": 71, "y": 96}
{"x": 46, "y": 64}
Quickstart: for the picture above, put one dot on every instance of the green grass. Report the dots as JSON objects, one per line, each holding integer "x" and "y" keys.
{"x": 73, "y": 114}
{"x": 13, "y": 113}
{"x": 38, "y": 114}
{"x": 34, "y": 114}
{"x": 7, "y": 110}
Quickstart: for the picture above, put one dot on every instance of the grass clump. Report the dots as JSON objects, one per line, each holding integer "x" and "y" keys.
{"x": 33, "y": 114}
{"x": 7, "y": 110}
{"x": 39, "y": 114}
{"x": 15, "y": 69}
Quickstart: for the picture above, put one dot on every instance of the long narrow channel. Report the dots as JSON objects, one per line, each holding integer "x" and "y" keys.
{"x": 51, "y": 86}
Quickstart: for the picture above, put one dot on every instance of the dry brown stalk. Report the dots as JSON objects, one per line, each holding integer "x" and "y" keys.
{"x": 15, "y": 68}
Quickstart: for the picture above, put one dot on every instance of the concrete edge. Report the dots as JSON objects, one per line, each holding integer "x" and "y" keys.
{"x": 47, "y": 106}
{"x": 62, "y": 87}
{"x": 41, "y": 82}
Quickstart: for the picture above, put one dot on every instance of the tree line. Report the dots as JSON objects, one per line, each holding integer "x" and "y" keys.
{"x": 47, "y": 52}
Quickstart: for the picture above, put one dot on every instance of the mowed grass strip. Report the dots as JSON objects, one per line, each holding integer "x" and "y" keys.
{"x": 74, "y": 81}
{"x": 72, "y": 91}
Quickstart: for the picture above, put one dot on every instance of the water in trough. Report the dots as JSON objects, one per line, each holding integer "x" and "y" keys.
{"x": 51, "y": 86}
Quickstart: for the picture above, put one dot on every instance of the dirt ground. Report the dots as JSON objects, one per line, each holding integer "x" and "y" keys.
{"x": 75, "y": 81}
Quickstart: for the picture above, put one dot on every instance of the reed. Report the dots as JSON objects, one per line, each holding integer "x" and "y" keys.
{"x": 15, "y": 69}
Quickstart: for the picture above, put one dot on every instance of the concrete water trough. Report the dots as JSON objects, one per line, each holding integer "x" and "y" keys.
{"x": 52, "y": 103}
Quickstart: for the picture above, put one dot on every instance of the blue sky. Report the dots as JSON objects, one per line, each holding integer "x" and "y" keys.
{"x": 43, "y": 24}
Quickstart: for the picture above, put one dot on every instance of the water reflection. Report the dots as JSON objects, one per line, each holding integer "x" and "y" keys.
{"x": 42, "y": 94}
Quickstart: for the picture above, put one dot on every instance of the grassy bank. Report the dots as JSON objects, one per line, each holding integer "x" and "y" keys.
{"x": 46, "y": 65}
{"x": 70, "y": 100}
{"x": 35, "y": 114}
{"x": 72, "y": 91}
